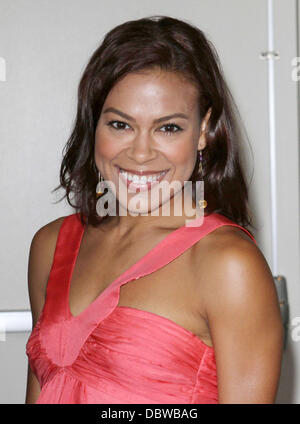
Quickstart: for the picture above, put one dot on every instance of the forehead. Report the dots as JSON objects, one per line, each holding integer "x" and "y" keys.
{"x": 156, "y": 88}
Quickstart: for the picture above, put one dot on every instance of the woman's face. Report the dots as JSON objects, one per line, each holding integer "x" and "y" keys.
{"x": 149, "y": 123}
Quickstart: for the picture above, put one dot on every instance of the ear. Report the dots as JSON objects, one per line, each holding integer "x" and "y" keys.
{"x": 202, "y": 137}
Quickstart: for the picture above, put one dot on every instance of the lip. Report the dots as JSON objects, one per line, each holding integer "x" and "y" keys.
{"x": 132, "y": 171}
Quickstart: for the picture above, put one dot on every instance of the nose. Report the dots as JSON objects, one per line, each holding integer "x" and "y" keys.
{"x": 141, "y": 149}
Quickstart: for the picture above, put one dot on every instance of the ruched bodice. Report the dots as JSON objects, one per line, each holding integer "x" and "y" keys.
{"x": 119, "y": 354}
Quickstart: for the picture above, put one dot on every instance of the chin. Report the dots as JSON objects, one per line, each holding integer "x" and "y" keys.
{"x": 141, "y": 209}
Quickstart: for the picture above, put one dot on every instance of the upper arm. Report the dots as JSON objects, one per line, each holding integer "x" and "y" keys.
{"x": 244, "y": 319}
{"x": 40, "y": 260}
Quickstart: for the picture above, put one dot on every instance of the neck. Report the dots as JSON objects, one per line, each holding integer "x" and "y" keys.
{"x": 174, "y": 213}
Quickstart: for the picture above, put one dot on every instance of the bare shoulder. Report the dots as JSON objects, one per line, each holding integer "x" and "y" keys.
{"x": 40, "y": 260}
{"x": 234, "y": 268}
{"x": 228, "y": 235}
{"x": 231, "y": 256}
{"x": 48, "y": 232}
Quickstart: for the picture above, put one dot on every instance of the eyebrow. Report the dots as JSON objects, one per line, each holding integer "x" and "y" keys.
{"x": 155, "y": 121}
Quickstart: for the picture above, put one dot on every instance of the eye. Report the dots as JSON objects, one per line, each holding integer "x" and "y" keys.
{"x": 119, "y": 125}
{"x": 170, "y": 129}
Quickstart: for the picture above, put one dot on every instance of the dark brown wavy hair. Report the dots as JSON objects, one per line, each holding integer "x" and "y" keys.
{"x": 172, "y": 45}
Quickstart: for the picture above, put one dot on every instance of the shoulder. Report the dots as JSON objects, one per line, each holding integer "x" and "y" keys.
{"x": 226, "y": 240}
{"x": 44, "y": 239}
{"x": 41, "y": 254}
{"x": 234, "y": 269}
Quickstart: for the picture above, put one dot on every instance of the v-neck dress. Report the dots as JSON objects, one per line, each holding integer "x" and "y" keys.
{"x": 111, "y": 354}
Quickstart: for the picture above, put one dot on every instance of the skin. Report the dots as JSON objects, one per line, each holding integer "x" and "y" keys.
{"x": 221, "y": 288}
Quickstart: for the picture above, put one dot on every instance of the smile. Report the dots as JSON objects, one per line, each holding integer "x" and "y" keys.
{"x": 141, "y": 180}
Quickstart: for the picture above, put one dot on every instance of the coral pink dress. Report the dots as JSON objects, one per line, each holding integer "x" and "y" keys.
{"x": 117, "y": 354}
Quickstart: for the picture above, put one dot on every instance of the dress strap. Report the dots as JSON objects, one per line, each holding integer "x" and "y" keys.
{"x": 67, "y": 245}
{"x": 180, "y": 240}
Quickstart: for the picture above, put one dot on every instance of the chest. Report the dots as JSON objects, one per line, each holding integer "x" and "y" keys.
{"x": 168, "y": 291}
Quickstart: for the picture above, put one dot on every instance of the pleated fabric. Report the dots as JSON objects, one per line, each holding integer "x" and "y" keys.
{"x": 111, "y": 354}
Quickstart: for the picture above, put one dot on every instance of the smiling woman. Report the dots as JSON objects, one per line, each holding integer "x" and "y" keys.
{"x": 135, "y": 307}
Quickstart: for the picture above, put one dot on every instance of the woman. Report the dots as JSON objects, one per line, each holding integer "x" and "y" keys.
{"x": 140, "y": 306}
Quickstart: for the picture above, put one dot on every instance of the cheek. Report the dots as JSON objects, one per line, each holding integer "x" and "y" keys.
{"x": 184, "y": 155}
{"x": 104, "y": 146}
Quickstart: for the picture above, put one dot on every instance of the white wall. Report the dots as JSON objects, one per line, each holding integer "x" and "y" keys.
{"x": 46, "y": 44}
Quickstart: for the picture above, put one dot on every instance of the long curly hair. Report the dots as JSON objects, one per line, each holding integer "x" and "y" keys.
{"x": 172, "y": 45}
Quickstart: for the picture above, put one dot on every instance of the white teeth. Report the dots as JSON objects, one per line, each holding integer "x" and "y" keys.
{"x": 136, "y": 179}
{"x": 143, "y": 179}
